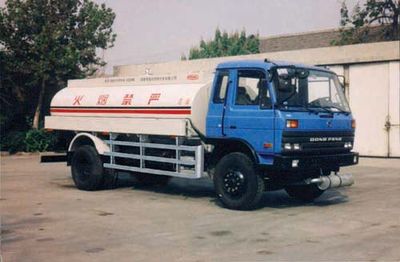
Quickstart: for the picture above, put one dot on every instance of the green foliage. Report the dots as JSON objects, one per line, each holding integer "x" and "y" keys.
{"x": 34, "y": 140}
{"x": 38, "y": 140}
{"x": 356, "y": 28}
{"x": 226, "y": 45}
{"x": 13, "y": 142}
{"x": 42, "y": 45}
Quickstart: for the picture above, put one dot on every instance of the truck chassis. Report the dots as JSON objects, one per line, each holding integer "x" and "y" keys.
{"x": 184, "y": 165}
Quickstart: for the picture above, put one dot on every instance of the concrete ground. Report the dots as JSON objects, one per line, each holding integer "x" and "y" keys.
{"x": 44, "y": 218}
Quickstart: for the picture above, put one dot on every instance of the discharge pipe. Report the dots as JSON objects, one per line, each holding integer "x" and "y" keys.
{"x": 332, "y": 181}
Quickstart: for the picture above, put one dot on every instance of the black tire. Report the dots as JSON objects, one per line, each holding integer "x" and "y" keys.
{"x": 306, "y": 193}
{"x": 87, "y": 168}
{"x": 110, "y": 179}
{"x": 152, "y": 180}
{"x": 237, "y": 183}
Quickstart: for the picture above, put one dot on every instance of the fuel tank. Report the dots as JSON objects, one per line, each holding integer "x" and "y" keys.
{"x": 163, "y": 97}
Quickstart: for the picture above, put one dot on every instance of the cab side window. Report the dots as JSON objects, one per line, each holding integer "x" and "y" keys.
{"x": 221, "y": 87}
{"x": 248, "y": 87}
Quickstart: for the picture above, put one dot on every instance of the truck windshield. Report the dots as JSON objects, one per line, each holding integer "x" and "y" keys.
{"x": 309, "y": 89}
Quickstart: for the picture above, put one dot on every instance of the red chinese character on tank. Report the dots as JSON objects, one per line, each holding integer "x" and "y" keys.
{"x": 102, "y": 100}
{"x": 127, "y": 100}
{"x": 77, "y": 100}
{"x": 154, "y": 97}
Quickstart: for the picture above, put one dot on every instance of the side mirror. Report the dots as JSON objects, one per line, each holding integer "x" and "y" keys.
{"x": 285, "y": 86}
{"x": 302, "y": 73}
{"x": 286, "y": 72}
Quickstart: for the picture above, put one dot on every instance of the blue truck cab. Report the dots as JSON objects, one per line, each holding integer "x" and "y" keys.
{"x": 290, "y": 123}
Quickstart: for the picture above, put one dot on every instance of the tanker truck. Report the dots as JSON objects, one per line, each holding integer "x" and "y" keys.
{"x": 250, "y": 126}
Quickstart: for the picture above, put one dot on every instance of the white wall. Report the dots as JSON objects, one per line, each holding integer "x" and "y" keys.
{"x": 369, "y": 88}
{"x": 374, "y": 95}
{"x": 334, "y": 55}
{"x": 394, "y": 108}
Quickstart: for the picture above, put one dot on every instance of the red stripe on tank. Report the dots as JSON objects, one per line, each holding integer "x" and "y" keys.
{"x": 122, "y": 111}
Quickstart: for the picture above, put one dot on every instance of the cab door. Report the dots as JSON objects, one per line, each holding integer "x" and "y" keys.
{"x": 249, "y": 114}
{"x": 217, "y": 104}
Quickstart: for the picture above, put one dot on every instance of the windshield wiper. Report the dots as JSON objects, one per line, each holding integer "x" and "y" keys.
{"x": 308, "y": 109}
{"x": 287, "y": 107}
{"x": 312, "y": 110}
{"x": 335, "y": 107}
{"x": 324, "y": 108}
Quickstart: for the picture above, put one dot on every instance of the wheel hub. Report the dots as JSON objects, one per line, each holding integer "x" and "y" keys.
{"x": 234, "y": 183}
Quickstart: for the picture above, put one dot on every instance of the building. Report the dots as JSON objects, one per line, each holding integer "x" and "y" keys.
{"x": 371, "y": 70}
{"x": 313, "y": 39}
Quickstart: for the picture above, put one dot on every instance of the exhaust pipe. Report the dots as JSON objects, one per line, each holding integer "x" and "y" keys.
{"x": 332, "y": 181}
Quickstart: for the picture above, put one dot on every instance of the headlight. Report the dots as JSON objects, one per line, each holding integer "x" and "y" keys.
{"x": 348, "y": 145}
{"x": 289, "y": 146}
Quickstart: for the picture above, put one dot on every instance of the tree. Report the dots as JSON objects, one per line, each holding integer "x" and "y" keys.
{"x": 43, "y": 43}
{"x": 357, "y": 27}
{"x": 226, "y": 45}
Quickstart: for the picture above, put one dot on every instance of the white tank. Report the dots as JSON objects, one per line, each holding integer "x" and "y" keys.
{"x": 168, "y": 97}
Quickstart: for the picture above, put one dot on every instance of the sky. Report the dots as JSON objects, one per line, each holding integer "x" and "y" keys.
{"x": 161, "y": 30}
{"x": 151, "y": 31}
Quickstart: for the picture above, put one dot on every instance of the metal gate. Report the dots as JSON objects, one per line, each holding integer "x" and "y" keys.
{"x": 374, "y": 94}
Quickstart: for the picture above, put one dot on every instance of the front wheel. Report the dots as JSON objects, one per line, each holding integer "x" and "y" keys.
{"x": 305, "y": 193}
{"x": 237, "y": 184}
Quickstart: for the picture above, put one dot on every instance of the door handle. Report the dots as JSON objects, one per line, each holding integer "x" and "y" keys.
{"x": 232, "y": 127}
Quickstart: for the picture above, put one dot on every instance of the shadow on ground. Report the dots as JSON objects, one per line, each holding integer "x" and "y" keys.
{"x": 203, "y": 188}
{"x": 198, "y": 188}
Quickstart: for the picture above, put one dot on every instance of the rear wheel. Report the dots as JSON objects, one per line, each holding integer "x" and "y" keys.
{"x": 237, "y": 184}
{"x": 87, "y": 168}
{"x": 305, "y": 193}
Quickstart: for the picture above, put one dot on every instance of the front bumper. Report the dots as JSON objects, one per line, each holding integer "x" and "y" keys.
{"x": 312, "y": 162}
